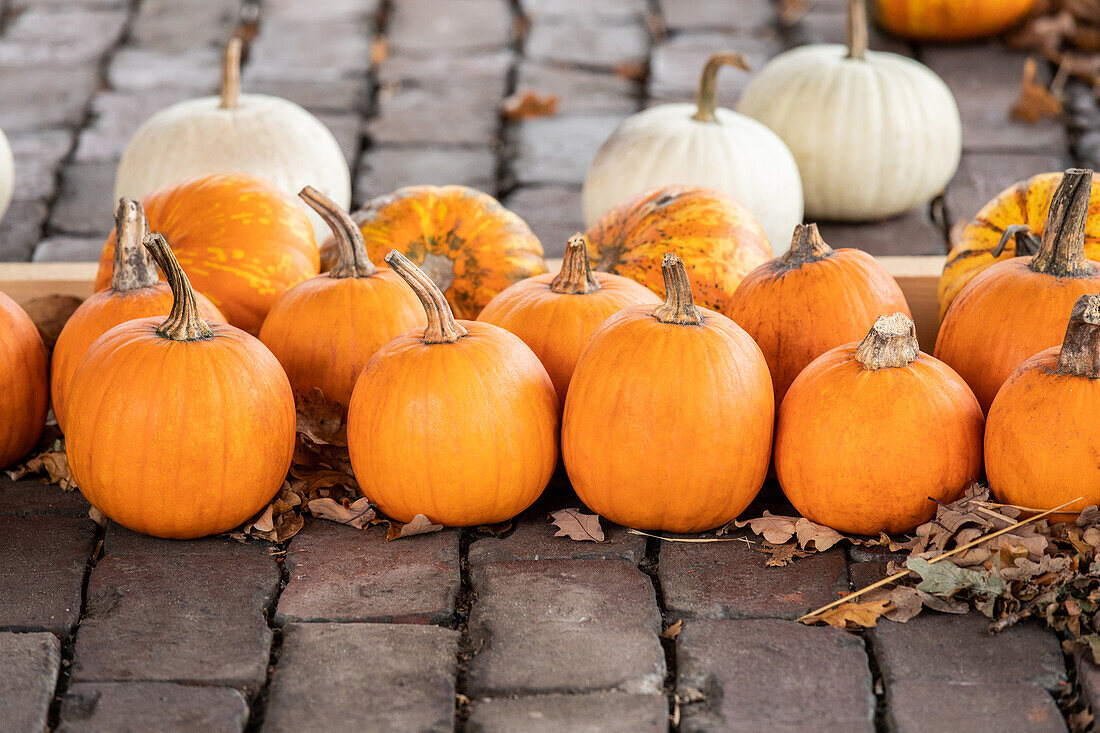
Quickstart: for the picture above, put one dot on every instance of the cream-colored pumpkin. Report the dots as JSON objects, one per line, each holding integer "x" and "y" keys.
{"x": 258, "y": 134}
{"x": 700, "y": 145}
{"x": 7, "y": 173}
{"x": 874, "y": 133}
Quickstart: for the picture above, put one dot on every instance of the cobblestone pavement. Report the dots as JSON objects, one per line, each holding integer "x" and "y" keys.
{"x": 107, "y": 630}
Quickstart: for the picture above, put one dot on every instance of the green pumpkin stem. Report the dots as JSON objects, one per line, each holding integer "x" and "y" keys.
{"x": 352, "y": 260}
{"x": 857, "y": 29}
{"x": 1080, "y": 354}
{"x": 1062, "y": 251}
{"x": 705, "y": 97}
{"x": 891, "y": 343}
{"x": 133, "y": 267}
{"x": 679, "y": 307}
{"x": 807, "y": 246}
{"x": 231, "y": 74}
{"x": 184, "y": 322}
{"x": 442, "y": 327}
{"x": 575, "y": 277}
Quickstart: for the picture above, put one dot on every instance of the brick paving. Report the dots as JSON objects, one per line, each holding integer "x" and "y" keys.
{"x": 102, "y": 629}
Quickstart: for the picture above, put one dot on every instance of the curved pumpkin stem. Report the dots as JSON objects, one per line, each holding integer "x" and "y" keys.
{"x": 678, "y": 308}
{"x": 133, "y": 267}
{"x": 575, "y": 277}
{"x": 708, "y": 83}
{"x": 1062, "y": 252}
{"x": 891, "y": 342}
{"x": 857, "y": 29}
{"x": 231, "y": 74}
{"x": 1080, "y": 355}
{"x": 442, "y": 327}
{"x": 806, "y": 246}
{"x": 1027, "y": 244}
{"x": 352, "y": 260}
{"x": 184, "y": 322}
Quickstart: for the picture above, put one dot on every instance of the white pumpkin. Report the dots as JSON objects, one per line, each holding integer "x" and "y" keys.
{"x": 7, "y": 173}
{"x": 700, "y": 145}
{"x": 874, "y": 133}
{"x": 258, "y": 134}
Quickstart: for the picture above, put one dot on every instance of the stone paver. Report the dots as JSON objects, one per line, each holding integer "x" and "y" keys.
{"x": 42, "y": 571}
{"x": 772, "y": 675}
{"x": 915, "y": 706}
{"x": 65, "y": 248}
{"x": 564, "y": 626}
{"x": 89, "y": 707}
{"x": 339, "y": 573}
{"x": 29, "y": 665}
{"x": 606, "y": 12}
{"x": 612, "y": 712}
{"x": 533, "y": 539}
{"x": 37, "y": 155}
{"x": 28, "y": 497}
{"x": 414, "y": 115}
{"x": 677, "y": 63}
{"x": 487, "y": 68}
{"x": 116, "y": 116}
{"x": 695, "y": 15}
{"x": 84, "y": 205}
{"x": 383, "y": 170}
{"x": 911, "y": 233}
{"x": 559, "y": 149}
{"x": 38, "y": 97}
{"x": 427, "y": 26}
{"x": 21, "y": 229}
{"x": 350, "y": 677}
{"x": 552, "y": 212}
{"x": 580, "y": 91}
{"x": 591, "y": 46}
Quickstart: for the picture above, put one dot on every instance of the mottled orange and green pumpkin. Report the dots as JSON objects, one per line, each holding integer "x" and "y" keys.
{"x": 465, "y": 240}
{"x": 717, "y": 238}
{"x": 949, "y": 20}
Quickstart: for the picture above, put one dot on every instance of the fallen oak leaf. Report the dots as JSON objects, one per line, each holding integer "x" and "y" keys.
{"x": 821, "y": 536}
{"x": 319, "y": 420}
{"x": 1035, "y": 101}
{"x": 417, "y": 525}
{"x": 529, "y": 104}
{"x": 573, "y": 524}
{"x": 852, "y": 615}
{"x": 946, "y": 578}
{"x": 773, "y": 528}
{"x": 358, "y": 513}
{"x": 673, "y": 630}
{"x": 54, "y": 463}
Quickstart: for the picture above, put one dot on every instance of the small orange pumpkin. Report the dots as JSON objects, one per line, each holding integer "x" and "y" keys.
{"x": 717, "y": 238}
{"x": 135, "y": 292}
{"x": 457, "y": 421}
{"x": 179, "y": 428}
{"x": 950, "y": 20}
{"x": 1017, "y": 308}
{"x": 25, "y": 397}
{"x": 242, "y": 241}
{"x": 465, "y": 240}
{"x": 556, "y": 315}
{"x": 809, "y": 300}
{"x": 1043, "y": 435}
{"x": 869, "y": 431}
{"x": 326, "y": 329}
{"x": 668, "y": 420}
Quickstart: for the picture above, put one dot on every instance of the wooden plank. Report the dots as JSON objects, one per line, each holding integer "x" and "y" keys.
{"x": 919, "y": 277}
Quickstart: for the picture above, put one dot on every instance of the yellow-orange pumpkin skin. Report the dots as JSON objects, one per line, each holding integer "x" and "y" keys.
{"x": 25, "y": 396}
{"x": 950, "y": 20}
{"x": 668, "y": 425}
{"x": 861, "y": 450}
{"x": 717, "y": 238}
{"x": 465, "y": 240}
{"x": 242, "y": 241}
{"x": 812, "y": 299}
{"x": 556, "y": 315}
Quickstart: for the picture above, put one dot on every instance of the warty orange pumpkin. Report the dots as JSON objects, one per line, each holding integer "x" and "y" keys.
{"x": 556, "y": 314}
{"x": 324, "y": 330}
{"x": 464, "y": 240}
{"x": 950, "y": 20}
{"x": 178, "y": 428}
{"x": 1017, "y": 308}
{"x": 1043, "y": 435}
{"x": 135, "y": 292}
{"x": 871, "y": 435}
{"x": 668, "y": 419}
{"x": 457, "y": 421}
{"x": 242, "y": 241}
{"x": 717, "y": 238}
{"x": 809, "y": 300}
{"x": 25, "y": 397}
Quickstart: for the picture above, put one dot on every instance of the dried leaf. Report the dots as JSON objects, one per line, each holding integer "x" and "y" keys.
{"x": 631, "y": 70}
{"x": 1035, "y": 102}
{"x": 358, "y": 513}
{"x": 573, "y": 524}
{"x": 946, "y": 578}
{"x": 791, "y": 11}
{"x": 54, "y": 463}
{"x": 774, "y": 529}
{"x": 853, "y": 615}
{"x": 673, "y": 630}
{"x": 821, "y": 536}
{"x": 97, "y": 516}
{"x": 782, "y": 555}
{"x": 495, "y": 529}
{"x": 379, "y": 51}
{"x": 319, "y": 420}
{"x": 417, "y": 525}
{"x": 528, "y": 104}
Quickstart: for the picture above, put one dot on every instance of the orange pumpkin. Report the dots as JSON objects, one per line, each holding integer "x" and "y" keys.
{"x": 950, "y": 20}
{"x": 717, "y": 238}
{"x": 178, "y": 428}
{"x": 25, "y": 397}
{"x": 470, "y": 245}
{"x": 457, "y": 421}
{"x": 135, "y": 292}
{"x": 326, "y": 329}
{"x": 242, "y": 241}
{"x": 868, "y": 432}
{"x": 809, "y": 300}
{"x": 1017, "y": 308}
{"x": 668, "y": 420}
{"x": 556, "y": 315}
{"x": 1043, "y": 435}
{"x": 1009, "y": 226}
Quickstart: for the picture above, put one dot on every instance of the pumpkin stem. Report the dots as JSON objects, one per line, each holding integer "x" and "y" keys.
{"x": 184, "y": 322}
{"x": 857, "y": 29}
{"x": 806, "y": 246}
{"x": 1062, "y": 252}
{"x": 575, "y": 277}
{"x": 133, "y": 268}
{"x": 352, "y": 259}
{"x": 231, "y": 74}
{"x": 442, "y": 327}
{"x": 1080, "y": 355}
{"x": 678, "y": 308}
{"x": 708, "y": 86}
{"x": 891, "y": 342}
{"x": 1027, "y": 244}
